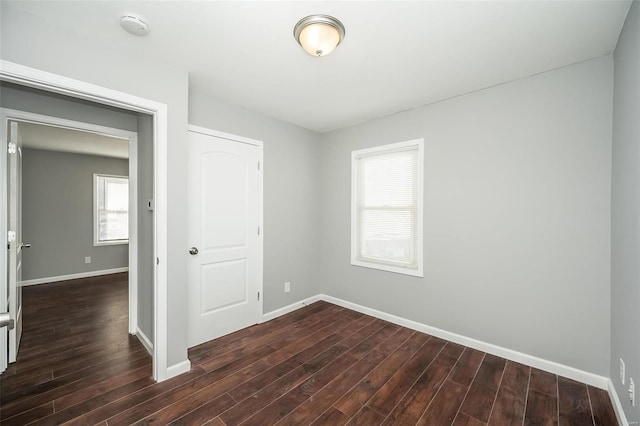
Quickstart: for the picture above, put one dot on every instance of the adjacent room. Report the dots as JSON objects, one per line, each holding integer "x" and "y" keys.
{"x": 347, "y": 213}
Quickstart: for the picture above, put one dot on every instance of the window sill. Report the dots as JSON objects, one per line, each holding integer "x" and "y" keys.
{"x": 389, "y": 268}
{"x": 110, "y": 243}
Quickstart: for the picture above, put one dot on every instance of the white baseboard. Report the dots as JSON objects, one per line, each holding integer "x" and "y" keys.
{"x": 145, "y": 341}
{"x": 595, "y": 380}
{"x": 617, "y": 405}
{"x": 290, "y": 308}
{"x": 46, "y": 280}
{"x": 177, "y": 369}
{"x": 530, "y": 360}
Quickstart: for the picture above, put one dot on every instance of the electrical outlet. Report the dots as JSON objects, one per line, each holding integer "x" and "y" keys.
{"x": 87, "y": 259}
{"x": 287, "y": 287}
{"x": 632, "y": 392}
{"x": 622, "y": 371}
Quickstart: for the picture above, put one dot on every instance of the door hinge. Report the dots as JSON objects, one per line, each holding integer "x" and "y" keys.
{"x": 12, "y": 148}
{"x": 258, "y": 295}
{"x": 258, "y": 165}
{"x": 157, "y": 260}
{"x": 258, "y": 230}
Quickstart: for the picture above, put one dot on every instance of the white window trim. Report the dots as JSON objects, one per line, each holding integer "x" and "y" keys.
{"x": 389, "y": 266}
{"x": 96, "y": 231}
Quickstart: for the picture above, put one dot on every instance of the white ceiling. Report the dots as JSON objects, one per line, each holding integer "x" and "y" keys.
{"x": 395, "y": 56}
{"x": 51, "y": 138}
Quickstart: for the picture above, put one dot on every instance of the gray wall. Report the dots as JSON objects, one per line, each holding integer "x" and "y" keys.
{"x": 516, "y": 216}
{"x": 57, "y": 215}
{"x": 36, "y": 101}
{"x": 291, "y": 205}
{"x": 625, "y": 211}
{"x": 146, "y": 262}
{"x": 33, "y": 42}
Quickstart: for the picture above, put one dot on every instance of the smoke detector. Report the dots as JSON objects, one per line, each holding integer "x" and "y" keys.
{"x": 134, "y": 24}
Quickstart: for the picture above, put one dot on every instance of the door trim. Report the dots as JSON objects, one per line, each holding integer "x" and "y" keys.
{"x": 27, "y": 76}
{"x": 260, "y": 145}
{"x": 28, "y": 117}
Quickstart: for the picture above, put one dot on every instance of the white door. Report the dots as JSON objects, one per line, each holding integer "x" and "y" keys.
{"x": 225, "y": 254}
{"x": 15, "y": 238}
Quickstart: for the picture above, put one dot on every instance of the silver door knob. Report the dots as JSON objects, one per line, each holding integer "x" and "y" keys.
{"x": 193, "y": 251}
{"x": 25, "y": 245}
{"x": 6, "y": 321}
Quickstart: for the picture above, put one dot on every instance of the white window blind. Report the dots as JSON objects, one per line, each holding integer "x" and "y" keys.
{"x": 111, "y": 209}
{"x": 387, "y": 207}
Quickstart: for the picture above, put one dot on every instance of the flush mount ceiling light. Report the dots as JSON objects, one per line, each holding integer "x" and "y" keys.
{"x": 319, "y": 34}
{"x": 134, "y": 24}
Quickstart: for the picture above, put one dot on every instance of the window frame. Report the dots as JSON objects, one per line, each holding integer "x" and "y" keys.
{"x": 390, "y": 266}
{"x": 96, "y": 221}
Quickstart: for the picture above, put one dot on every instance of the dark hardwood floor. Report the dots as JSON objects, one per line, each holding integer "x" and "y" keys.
{"x": 320, "y": 365}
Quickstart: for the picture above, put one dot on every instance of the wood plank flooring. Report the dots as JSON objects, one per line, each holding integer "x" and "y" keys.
{"x": 320, "y": 365}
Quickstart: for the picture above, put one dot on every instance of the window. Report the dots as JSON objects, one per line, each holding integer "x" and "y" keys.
{"x": 110, "y": 210}
{"x": 386, "y": 207}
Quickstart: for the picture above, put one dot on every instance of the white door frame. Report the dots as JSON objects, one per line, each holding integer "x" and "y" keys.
{"x": 31, "y": 77}
{"x": 28, "y": 117}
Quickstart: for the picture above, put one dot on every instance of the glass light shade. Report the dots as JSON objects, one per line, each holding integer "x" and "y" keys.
{"x": 319, "y": 39}
{"x": 319, "y": 34}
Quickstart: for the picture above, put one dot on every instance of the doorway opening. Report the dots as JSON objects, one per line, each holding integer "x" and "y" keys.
{"x": 158, "y": 133}
{"x": 64, "y": 210}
